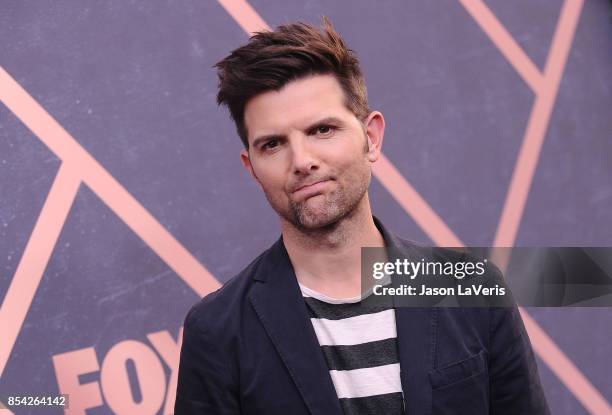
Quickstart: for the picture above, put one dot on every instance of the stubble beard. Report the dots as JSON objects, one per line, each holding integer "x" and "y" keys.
{"x": 340, "y": 203}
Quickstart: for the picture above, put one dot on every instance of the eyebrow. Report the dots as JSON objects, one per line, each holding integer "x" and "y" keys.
{"x": 326, "y": 120}
{"x": 264, "y": 138}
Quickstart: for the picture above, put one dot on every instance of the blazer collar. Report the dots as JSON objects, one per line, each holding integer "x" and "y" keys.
{"x": 279, "y": 305}
{"x": 278, "y": 302}
{"x": 276, "y": 258}
{"x": 416, "y": 331}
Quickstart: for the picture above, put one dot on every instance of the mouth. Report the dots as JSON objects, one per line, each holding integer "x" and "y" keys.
{"x": 311, "y": 189}
{"x": 305, "y": 186}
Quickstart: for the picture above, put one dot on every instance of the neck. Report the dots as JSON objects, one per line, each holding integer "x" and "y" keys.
{"x": 328, "y": 259}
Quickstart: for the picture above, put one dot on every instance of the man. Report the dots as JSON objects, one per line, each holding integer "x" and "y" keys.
{"x": 287, "y": 335}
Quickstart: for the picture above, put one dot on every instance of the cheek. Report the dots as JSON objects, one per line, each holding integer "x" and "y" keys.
{"x": 354, "y": 172}
{"x": 272, "y": 180}
{"x": 269, "y": 172}
{"x": 352, "y": 162}
{"x": 273, "y": 183}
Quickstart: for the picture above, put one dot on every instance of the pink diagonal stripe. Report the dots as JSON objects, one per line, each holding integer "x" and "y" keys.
{"x": 102, "y": 183}
{"x": 539, "y": 119}
{"x": 504, "y": 42}
{"x": 546, "y": 94}
{"x": 35, "y": 257}
{"x": 246, "y": 17}
{"x": 414, "y": 204}
{"x": 565, "y": 369}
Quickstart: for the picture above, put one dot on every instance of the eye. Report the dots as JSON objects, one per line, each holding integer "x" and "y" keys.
{"x": 269, "y": 145}
{"x": 324, "y": 130}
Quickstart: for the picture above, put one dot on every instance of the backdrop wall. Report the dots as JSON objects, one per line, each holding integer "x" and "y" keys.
{"x": 123, "y": 200}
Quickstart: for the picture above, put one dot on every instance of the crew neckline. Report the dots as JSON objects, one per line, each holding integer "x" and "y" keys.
{"x": 327, "y": 299}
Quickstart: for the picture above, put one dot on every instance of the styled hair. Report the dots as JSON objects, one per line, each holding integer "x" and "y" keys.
{"x": 271, "y": 59}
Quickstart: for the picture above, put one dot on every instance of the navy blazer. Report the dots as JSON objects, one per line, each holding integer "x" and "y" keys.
{"x": 250, "y": 348}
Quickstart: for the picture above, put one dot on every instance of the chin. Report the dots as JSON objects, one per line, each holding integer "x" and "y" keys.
{"x": 318, "y": 220}
{"x": 317, "y": 223}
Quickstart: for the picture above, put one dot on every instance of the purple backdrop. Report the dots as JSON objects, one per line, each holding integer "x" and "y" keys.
{"x": 132, "y": 82}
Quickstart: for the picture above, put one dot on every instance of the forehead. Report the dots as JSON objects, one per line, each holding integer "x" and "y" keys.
{"x": 296, "y": 105}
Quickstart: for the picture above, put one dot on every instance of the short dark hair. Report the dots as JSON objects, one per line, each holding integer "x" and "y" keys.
{"x": 271, "y": 59}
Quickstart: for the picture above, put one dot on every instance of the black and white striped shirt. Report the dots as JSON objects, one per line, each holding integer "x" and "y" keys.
{"x": 360, "y": 348}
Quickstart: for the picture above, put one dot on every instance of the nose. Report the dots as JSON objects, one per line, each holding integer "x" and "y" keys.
{"x": 303, "y": 160}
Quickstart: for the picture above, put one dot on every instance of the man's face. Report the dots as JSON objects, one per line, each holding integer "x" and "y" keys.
{"x": 309, "y": 152}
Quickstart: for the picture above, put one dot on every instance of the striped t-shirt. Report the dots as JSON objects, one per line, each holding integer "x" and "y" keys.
{"x": 360, "y": 348}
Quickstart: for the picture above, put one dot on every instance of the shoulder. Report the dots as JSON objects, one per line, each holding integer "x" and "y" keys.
{"x": 217, "y": 310}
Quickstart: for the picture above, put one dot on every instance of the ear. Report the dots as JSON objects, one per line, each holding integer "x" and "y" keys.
{"x": 375, "y": 131}
{"x": 246, "y": 162}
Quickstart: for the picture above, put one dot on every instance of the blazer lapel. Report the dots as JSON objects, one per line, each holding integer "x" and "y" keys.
{"x": 416, "y": 328}
{"x": 278, "y": 302}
